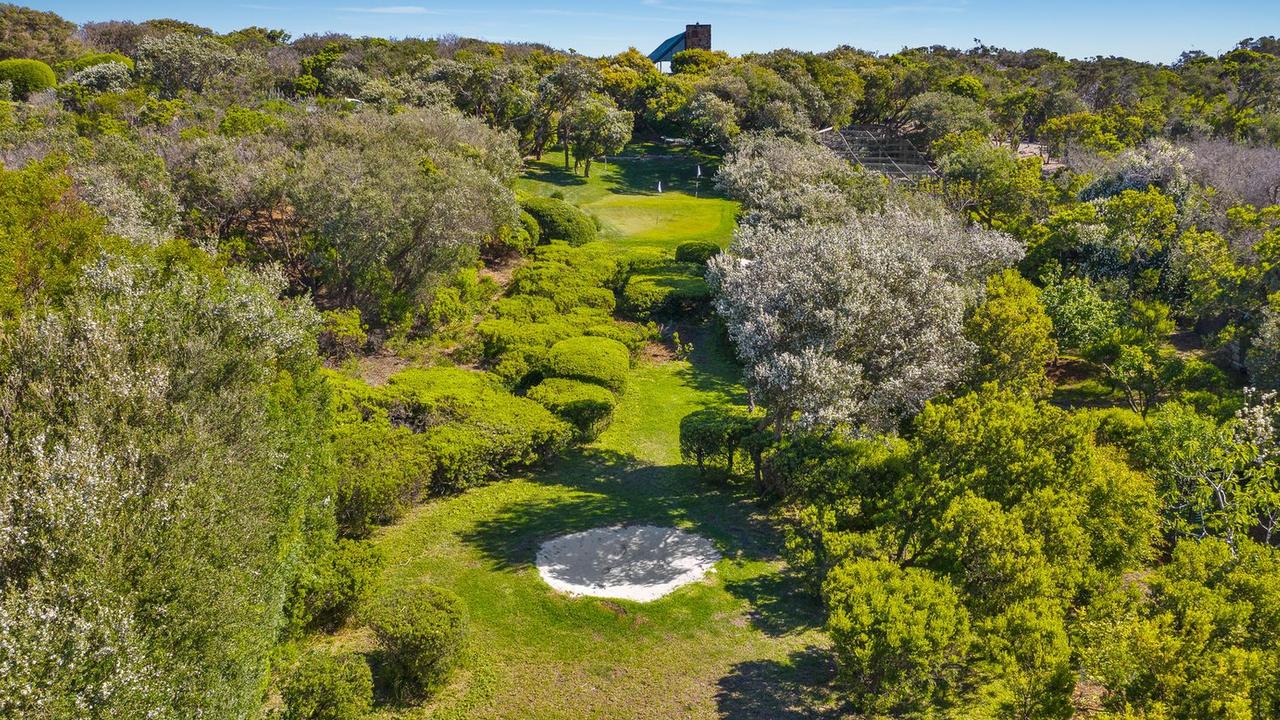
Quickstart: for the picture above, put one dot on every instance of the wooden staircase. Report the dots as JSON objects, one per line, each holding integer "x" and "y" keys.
{"x": 879, "y": 149}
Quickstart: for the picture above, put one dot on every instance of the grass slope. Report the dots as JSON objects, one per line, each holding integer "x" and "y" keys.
{"x": 740, "y": 644}
{"x": 623, "y": 194}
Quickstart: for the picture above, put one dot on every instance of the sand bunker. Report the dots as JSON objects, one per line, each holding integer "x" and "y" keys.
{"x": 638, "y": 562}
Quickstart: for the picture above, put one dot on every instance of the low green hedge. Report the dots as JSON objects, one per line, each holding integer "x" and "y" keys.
{"x": 675, "y": 288}
{"x": 471, "y": 426}
{"x": 599, "y": 360}
{"x": 430, "y": 431}
{"x": 558, "y": 220}
{"x": 697, "y": 251}
{"x": 633, "y": 335}
{"x": 27, "y": 76}
{"x": 587, "y": 406}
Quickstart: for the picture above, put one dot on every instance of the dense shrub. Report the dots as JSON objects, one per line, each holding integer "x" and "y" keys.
{"x": 343, "y": 334}
{"x": 88, "y": 60}
{"x": 592, "y": 359}
{"x": 164, "y": 428}
{"x": 240, "y": 121}
{"x": 697, "y": 251}
{"x": 104, "y": 77}
{"x": 471, "y": 427}
{"x": 900, "y": 635}
{"x": 328, "y": 687}
{"x": 673, "y": 288}
{"x": 182, "y": 61}
{"x": 337, "y": 584}
{"x": 27, "y": 76}
{"x": 531, "y": 228}
{"x": 1012, "y": 335}
{"x": 382, "y": 470}
{"x": 714, "y": 436}
{"x": 422, "y": 630}
{"x": 587, "y": 406}
{"x": 558, "y": 220}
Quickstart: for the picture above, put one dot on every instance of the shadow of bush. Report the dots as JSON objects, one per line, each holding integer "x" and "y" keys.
{"x": 801, "y": 688}
{"x": 778, "y": 603}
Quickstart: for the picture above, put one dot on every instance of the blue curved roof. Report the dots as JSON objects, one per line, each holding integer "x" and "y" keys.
{"x": 668, "y": 48}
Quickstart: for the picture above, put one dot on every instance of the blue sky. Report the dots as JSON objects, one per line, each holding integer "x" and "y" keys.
{"x": 1142, "y": 29}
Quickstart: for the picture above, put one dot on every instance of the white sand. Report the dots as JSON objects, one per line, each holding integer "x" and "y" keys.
{"x": 637, "y": 562}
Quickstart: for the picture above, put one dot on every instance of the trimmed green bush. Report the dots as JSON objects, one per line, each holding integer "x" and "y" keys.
{"x": 569, "y": 277}
{"x": 27, "y": 76}
{"x": 593, "y": 264}
{"x": 558, "y": 220}
{"x": 675, "y": 288}
{"x": 422, "y": 630}
{"x": 697, "y": 251}
{"x": 328, "y": 687}
{"x": 591, "y": 359}
{"x": 71, "y": 67}
{"x": 713, "y": 436}
{"x": 471, "y": 427}
{"x": 564, "y": 287}
{"x": 587, "y": 406}
{"x": 531, "y": 228}
{"x": 633, "y": 335}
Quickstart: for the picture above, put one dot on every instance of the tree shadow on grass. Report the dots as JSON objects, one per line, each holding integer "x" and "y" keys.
{"x": 677, "y": 172}
{"x": 779, "y": 604}
{"x": 548, "y": 172}
{"x": 798, "y": 689}
{"x": 712, "y": 369}
{"x": 615, "y": 489}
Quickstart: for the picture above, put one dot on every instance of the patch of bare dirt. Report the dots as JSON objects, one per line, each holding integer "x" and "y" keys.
{"x": 501, "y": 269}
{"x": 1087, "y": 698}
{"x": 1030, "y": 149}
{"x": 1068, "y": 370}
{"x": 657, "y": 352}
{"x": 375, "y": 369}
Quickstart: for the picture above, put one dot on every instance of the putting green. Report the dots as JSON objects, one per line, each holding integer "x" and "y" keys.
{"x": 623, "y": 195}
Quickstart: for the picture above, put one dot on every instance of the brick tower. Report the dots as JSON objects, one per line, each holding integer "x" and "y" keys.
{"x": 697, "y": 37}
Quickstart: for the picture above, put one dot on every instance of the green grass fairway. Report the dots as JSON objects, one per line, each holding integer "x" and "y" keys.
{"x": 623, "y": 194}
{"x": 743, "y": 643}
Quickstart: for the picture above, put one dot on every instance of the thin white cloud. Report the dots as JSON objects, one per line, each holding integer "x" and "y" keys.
{"x": 390, "y": 10}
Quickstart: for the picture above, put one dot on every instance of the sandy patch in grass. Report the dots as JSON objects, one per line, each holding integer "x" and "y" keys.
{"x": 636, "y": 562}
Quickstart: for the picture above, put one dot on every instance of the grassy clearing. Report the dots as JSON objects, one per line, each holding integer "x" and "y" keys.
{"x": 623, "y": 194}
{"x": 742, "y": 644}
